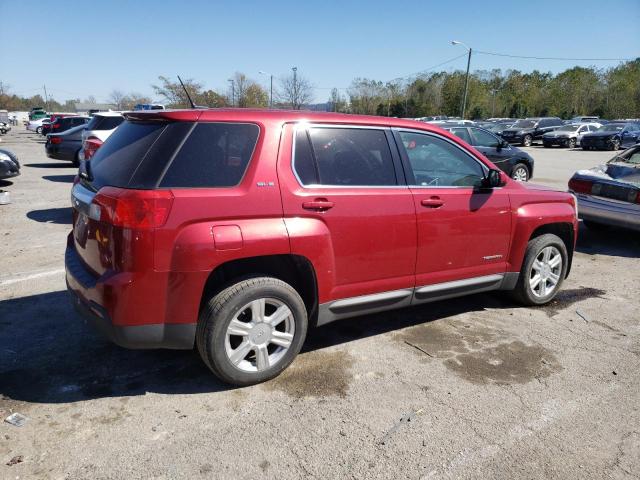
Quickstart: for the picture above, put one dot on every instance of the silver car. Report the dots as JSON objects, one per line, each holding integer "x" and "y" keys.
{"x": 568, "y": 135}
{"x": 609, "y": 195}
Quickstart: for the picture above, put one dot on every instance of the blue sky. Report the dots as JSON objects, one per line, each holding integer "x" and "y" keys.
{"x": 81, "y": 48}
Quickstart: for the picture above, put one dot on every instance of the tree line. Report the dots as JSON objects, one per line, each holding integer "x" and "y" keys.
{"x": 608, "y": 93}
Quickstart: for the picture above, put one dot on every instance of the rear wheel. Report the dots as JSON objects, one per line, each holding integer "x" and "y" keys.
{"x": 572, "y": 143}
{"x": 76, "y": 159}
{"x": 251, "y": 331}
{"x": 527, "y": 140}
{"x": 615, "y": 144}
{"x": 39, "y": 130}
{"x": 520, "y": 172}
{"x": 543, "y": 270}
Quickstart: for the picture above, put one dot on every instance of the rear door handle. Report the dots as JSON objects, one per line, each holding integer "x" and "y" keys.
{"x": 433, "y": 202}
{"x": 318, "y": 205}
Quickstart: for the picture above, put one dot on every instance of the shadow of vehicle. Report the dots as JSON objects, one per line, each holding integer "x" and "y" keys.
{"x": 61, "y": 164}
{"x": 48, "y": 355}
{"x": 610, "y": 241}
{"x": 51, "y": 215}
{"x": 5, "y": 183}
{"x": 59, "y": 178}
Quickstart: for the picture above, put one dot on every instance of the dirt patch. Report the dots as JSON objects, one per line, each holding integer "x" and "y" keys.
{"x": 566, "y": 298}
{"x": 504, "y": 364}
{"x": 442, "y": 340}
{"x": 316, "y": 374}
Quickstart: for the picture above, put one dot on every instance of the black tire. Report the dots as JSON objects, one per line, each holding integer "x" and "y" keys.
{"x": 39, "y": 130}
{"x": 520, "y": 167}
{"x": 527, "y": 141}
{"x": 546, "y": 145}
{"x": 76, "y": 159}
{"x": 572, "y": 143}
{"x": 522, "y": 292}
{"x": 218, "y": 312}
{"x": 595, "y": 226}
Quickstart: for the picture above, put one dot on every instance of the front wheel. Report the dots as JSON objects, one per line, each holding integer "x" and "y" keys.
{"x": 615, "y": 144}
{"x": 527, "y": 140}
{"x": 39, "y": 130}
{"x": 520, "y": 173}
{"x": 572, "y": 143}
{"x": 543, "y": 270}
{"x": 251, "y": 331}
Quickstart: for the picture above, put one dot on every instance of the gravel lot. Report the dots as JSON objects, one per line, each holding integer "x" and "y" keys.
{"x": 472, "y": 388}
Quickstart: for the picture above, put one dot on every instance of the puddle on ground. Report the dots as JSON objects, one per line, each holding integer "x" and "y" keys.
{"x": 480, "y": 354}
{"x": 440, "y": 339}
{"x": 315, "y": 374}
{"x": 505, "y": 364}
{"x": 566, "y": 298}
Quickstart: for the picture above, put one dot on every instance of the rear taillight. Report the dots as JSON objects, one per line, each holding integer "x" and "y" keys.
{"x": 55, "y": 140}
{"x": 135, "y": 209}
{"x": 580, "y": 186}
{"x": 91, "y": 145}
{"x": 55, "y": 126}
{"x": 634, "y": 197}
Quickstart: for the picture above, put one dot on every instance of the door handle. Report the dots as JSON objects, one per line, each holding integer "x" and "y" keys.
{"x": 433, "y": 202}
{"x": 318, "y": 205}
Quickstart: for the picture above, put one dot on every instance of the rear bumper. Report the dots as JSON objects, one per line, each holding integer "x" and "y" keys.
{"x": 53, "y": 151}
{"x": 86, "y": 290}
{"x": 609, "y": 212}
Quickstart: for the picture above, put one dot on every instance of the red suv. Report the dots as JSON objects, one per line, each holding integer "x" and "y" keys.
{"x": 239, "y": 229}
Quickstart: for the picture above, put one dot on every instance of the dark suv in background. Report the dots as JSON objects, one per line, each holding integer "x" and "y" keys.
{"x": 511, "y": 160}
{"x": 62, "y": 124}
{"x": 526, "y": 131}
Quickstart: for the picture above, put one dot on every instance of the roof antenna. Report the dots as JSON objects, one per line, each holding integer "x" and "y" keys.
{"x": 193, "y": 105}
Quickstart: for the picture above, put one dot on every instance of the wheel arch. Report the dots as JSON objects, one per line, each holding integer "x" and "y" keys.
{"x": 562, "y": 230}
{"x": 296, "y": 270}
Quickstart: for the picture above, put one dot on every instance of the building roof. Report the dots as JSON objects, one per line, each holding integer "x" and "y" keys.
{"x": 83, "y": 107}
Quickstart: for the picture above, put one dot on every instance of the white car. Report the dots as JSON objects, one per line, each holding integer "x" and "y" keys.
{"x": 568, "y": 135}
{"x": 36, "y": 125}
{"x": 99, "y": 128}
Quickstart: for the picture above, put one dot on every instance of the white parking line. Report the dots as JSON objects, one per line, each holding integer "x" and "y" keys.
{"x": 23, "y": 277}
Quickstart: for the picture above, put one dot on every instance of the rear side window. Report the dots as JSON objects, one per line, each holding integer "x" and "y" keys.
{"x": 463, "y": 133}
{"x": 214, "y": 155}
{"x": 344, "y": 157}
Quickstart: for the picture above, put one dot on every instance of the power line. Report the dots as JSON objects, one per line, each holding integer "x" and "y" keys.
{"x": 555, "y": 58}
{"x": 416, "y": 74}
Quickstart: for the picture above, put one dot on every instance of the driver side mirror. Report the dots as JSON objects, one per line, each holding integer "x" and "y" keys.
{"x": 493, "y": 179}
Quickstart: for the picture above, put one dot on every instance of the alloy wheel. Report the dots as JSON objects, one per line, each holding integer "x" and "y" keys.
{"x": 259, "y": 334}
{"x": 520, "y": 174}
{"x": 545, "y": 271}
{"x": 527, "y": 140}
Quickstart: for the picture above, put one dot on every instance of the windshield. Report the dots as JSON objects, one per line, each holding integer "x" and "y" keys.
{"x": 524, "y": 124}
{"x": 568, "y": 128}
{"x": 631, "y": 156}
{"x": 611, "y": 127}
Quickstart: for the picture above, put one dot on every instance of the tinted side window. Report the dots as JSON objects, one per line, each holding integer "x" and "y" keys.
{"x": 352, "y": 156}
{"x": 463, "y": 133}
{"x": 436, "y": 162}
{"x": 303, "y": 162}
{"x": 484, "y": 139}
{"x": 109, "y": 123}
{"x": 214, "y": 155}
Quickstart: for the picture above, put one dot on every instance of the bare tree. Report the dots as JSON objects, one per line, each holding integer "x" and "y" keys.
{"x": 295, "y": 90}
{"x": 118, "y": 98}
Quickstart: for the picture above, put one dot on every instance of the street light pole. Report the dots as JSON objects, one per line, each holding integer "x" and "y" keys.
{"x": 295, "y": 87}
{"x": 466, "y": 80}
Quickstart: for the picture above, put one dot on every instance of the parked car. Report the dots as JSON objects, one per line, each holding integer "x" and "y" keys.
{"x": 612, "y": 136}
{"x": 511, "y": 160}
{"x": 9, "y": 164}
{"x": 609, "y": 195}
{"x": 238, "y": 229}
{"x": 37, "y": 113}
{"x": 36, "y": 125}
{"x": 62, "y": 124}
{"x": 99, "y": 128}
{"x": 568, "y": 135}
{"x": 585, "y": 119}
{"x": 66, "y": 145}
{"x": 148, "y": 106}
{"x": 524, "y": 132}
{"x": 4, "y": 128}
{"x": 499, "y": 127}
{"x": 47, "y": 129}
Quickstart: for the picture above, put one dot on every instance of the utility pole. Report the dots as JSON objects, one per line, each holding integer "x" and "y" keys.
{"x": 46, "y": 100}
{"x": 466, "y": 81}
{"x": 233, "y": 91}
{"x": 295, "y": 88}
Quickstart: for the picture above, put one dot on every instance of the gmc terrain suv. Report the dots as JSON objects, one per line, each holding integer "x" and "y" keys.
{"x": 239, "y": 229}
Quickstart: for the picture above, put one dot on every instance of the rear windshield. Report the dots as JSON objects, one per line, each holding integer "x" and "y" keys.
{"x": 174, "y": 155}
{"x": 100, "y": 122}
